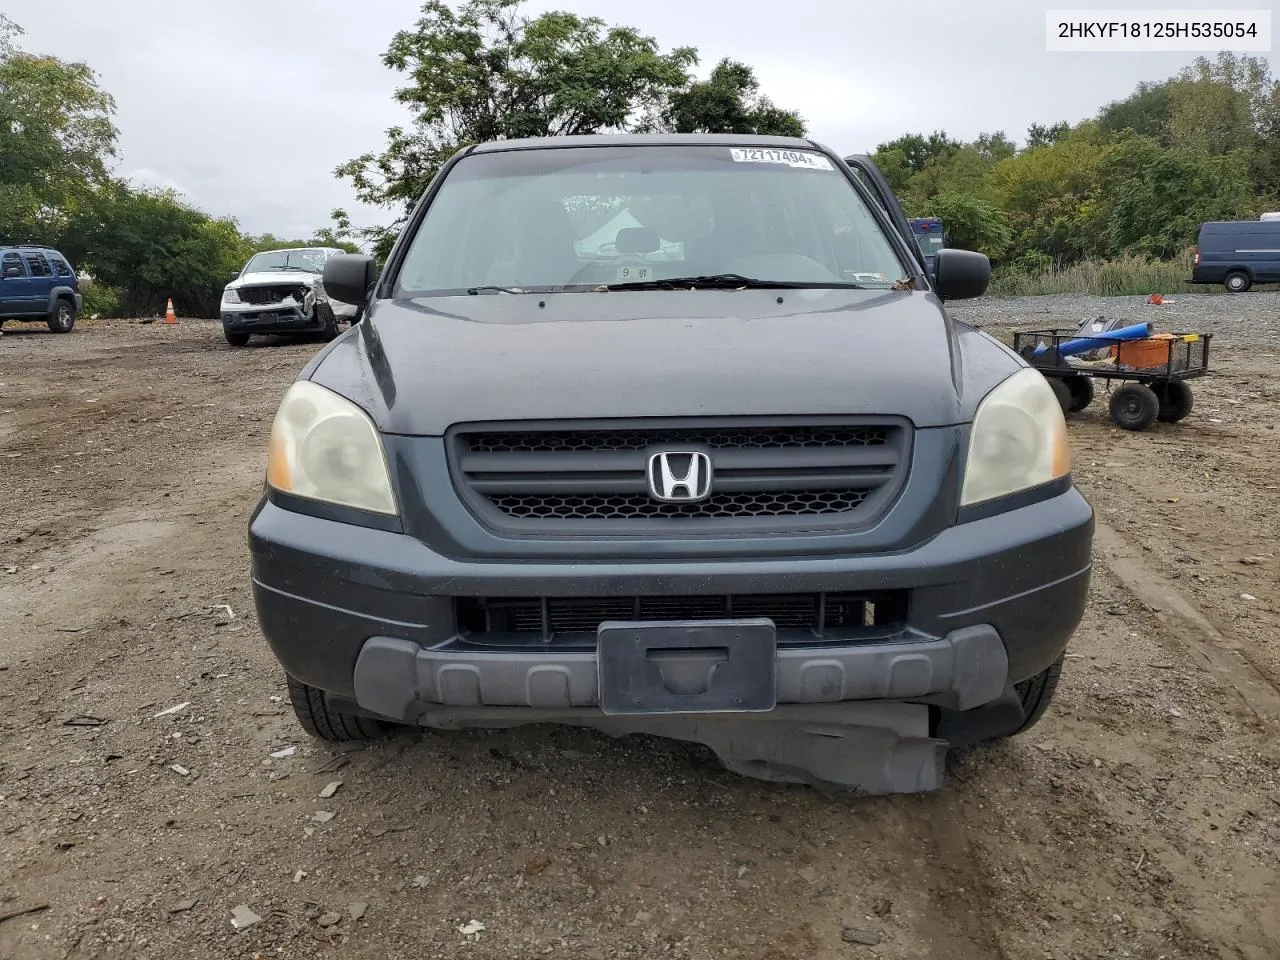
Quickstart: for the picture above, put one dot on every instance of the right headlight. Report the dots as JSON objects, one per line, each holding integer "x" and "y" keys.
{"x": 324, "y": 447}
{"x": 230, "y": 295}
{"x": 1018, "y": 440}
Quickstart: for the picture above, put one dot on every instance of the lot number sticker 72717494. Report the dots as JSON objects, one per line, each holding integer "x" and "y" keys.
{"x": 792, "y": 158}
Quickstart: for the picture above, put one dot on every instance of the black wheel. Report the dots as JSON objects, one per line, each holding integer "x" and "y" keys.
{"x": 1237, "y": 282}
{"x": 63, "y": 318}
{"x": 1175, "y": 400}
{"x": 1036, "y": 694}
{"x": 328, "y": 321}
{"x": 237, "y": 338}
{"x": 1134, "y": 406}
{"x": 1062, "y": 392}
{"x": 1081, "y": 392}
{"x": 325, "y": 724}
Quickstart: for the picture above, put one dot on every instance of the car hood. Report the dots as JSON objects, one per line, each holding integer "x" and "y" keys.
{"x": 420, "y": 366}
{"x": 274, "y": 276}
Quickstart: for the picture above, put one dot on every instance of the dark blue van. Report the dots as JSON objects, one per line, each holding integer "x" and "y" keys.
{"x": 1238, "y": 253}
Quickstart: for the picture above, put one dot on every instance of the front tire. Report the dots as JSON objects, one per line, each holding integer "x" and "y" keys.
{"x": 1175, "y": 401}
{"x": 237, "y": 338}
{"x": 323, "y": 723}
{"x": 1081, "y": 389}
{"x": 63, "y": 318}
{"x": 1036, "y": 693}
{"x": 1062, "y": 392}
{"x": 328, "y": 322}
{"x": 1134, "y": 406}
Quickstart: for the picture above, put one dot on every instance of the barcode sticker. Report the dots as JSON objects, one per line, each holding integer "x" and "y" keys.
{"x": 790, "y": 158}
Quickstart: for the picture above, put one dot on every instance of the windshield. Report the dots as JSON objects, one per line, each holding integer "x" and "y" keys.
{"x": 576, "y": 218}
{"x": 930, "y": 243}
{"x": 312, "y": 261}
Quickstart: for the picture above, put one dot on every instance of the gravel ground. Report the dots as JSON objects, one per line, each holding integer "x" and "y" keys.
{"x": 1140, "y": 819}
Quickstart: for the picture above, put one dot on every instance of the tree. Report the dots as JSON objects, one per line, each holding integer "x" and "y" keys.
{"x": 1146, "y": 112}
{"x": 324, "y": 237}
{"x": 1039, "y": 135}
{"x": 1159, "y": 212}
{"x": 150, "y": 246}
{"x": 917, "y": 150}
{"x": 729, "y": 101}
{"x": 973, "y": 222}
{"x": 484, "y": 73}
{"x": 9, "y": 32}
{"x": 994, "y": 147}
{"x": 56, "y": 136}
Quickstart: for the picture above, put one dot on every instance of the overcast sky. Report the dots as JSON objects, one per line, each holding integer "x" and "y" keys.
{"x": 246, "y": 106}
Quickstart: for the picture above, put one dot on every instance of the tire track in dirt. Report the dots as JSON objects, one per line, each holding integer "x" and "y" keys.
{"x": 1228, "y": 659}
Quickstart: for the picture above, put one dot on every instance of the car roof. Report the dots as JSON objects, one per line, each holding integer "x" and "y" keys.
{"x": 648, "y": 140}
{"x": 291, "y": 249}
{"x": 1245, "y": 226}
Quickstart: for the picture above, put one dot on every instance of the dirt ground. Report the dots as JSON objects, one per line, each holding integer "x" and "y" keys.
{"x": 1140, "y": 819}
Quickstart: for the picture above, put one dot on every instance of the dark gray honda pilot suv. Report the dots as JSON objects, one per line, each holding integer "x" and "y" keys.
{"x": 672, "y": 435}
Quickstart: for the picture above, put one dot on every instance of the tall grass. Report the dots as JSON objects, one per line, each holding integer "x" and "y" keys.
{"x": 1130, "y": 276}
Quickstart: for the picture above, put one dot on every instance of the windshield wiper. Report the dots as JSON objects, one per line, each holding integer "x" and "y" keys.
{"x": 493, "y": 288}
{"x": 727, "y": 281}
{"x": 290, "y": 266}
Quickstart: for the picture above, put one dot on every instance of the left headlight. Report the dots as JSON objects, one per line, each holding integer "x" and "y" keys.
{"x": 1018, "y": 440}
{"x": 324, "y": 447}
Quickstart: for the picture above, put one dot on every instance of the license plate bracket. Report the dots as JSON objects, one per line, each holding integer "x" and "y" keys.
{"x": 687, "y": 666}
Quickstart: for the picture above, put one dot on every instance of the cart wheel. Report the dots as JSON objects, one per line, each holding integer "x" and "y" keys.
{"x": 1062, "y": 392}
{"x": 1134, "y": 406}
{"x": 1081, "y": 392}
{"x": 1175, "y": 400}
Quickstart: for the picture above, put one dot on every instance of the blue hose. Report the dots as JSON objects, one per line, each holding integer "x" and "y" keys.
{"x": 1069, "y": 348}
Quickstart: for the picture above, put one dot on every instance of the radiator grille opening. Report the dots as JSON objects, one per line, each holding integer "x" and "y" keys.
{"x": 778, "y": 503}
{"x": 819, "y": 615}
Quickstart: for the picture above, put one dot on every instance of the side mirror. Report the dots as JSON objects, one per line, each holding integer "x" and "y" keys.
{"x": 960, "y": 274}
{"x": 348, "y": 277}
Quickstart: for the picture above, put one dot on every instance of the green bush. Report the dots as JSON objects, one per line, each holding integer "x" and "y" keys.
{"x": 99, "y": 300}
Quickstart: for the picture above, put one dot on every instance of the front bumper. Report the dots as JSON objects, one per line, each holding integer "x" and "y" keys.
{"x": 368, "y": 615}
{"x": 270, "y": 318}
{"x": 281, "y": 317}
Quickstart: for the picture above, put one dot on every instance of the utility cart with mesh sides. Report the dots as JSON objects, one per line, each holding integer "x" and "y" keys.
{"x": 1157, "y": 368}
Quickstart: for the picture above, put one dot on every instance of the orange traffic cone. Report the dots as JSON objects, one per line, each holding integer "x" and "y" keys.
{"x": 1156, "y": 299}
{"x": 169, "y": 315}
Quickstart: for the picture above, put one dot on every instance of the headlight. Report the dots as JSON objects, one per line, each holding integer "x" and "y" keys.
{"x": 1018, "y": 441}
{"x": 324, "y": 447}
{"x": 230, "y": 296}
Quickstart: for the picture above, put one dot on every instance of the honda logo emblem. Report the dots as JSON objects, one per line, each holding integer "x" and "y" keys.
{"x": 683, "y": 477}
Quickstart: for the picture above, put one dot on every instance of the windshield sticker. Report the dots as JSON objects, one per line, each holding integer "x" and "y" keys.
{"x": 630, "y": 272}
{"x": 858, "y": 277}
{"x": 791, "y": 158}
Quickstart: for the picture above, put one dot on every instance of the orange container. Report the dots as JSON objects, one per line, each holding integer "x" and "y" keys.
{"x": 1144, "y": 354}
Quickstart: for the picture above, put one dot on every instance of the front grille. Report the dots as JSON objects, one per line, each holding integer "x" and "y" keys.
{"x": 717, "y": 506}
{"x": 799, "y": 617}
{"x": 759, "y": 438}
{"x": 272, "y": 293}
{"x": 762, "y": 473}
